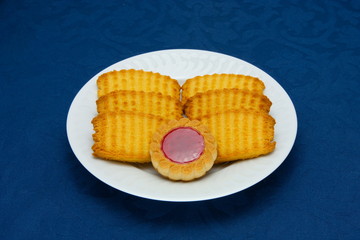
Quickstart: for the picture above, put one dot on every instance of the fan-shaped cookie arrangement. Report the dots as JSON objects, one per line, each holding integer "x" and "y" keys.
{"x": 183, "y": 131}
{"x": 132, "y": 104}
{"x": 235, "y": 110}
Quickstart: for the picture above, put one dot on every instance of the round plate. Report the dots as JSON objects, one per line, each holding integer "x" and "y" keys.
{"x": 141, "y": 179}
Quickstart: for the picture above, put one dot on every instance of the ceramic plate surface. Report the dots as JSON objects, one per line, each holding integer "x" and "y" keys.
{"x": 142, "y": 180}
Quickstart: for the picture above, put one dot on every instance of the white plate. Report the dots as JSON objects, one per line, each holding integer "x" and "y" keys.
{"x": 143, "y": 180}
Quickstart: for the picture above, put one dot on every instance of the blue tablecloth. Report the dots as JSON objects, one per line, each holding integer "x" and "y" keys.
{"x": 50, "y": 49}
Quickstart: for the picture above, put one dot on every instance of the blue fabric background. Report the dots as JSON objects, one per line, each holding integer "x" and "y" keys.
{"x": 50, "y": 49}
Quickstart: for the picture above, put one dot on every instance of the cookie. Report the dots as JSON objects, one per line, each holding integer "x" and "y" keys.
{"x": 216, "y": 101}
{"x": 183, "y": 150}
{"x": 124, "y": 136}
{"x": 137, "y": 80}
{"x": 205, "y": 83}
{"x": 139, "y": 101}
{"x": 241, "y": 134}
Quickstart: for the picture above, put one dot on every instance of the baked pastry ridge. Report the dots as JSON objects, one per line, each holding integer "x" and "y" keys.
{"x": 216, "y": 101}
{"x": 140, "y": 101}
{"x": 137, "y": 80}
{"x": 215, "y": 81}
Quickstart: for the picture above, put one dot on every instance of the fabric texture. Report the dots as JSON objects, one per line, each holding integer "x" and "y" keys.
{"x": 50, "y": 49}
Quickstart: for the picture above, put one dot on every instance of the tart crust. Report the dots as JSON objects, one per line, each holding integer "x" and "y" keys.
{"x": 183, "y": 171}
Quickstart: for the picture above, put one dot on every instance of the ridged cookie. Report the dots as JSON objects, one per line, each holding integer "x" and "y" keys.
{"x": 139, "y": 101}
{"x": 216, "y": 81}
{"x": 124, "y": 136}
{"x": 216, "y": 101}
{"x": 241, "y": 134}
{"x": 183, "y": 150}
{"x": 137, "y": 80}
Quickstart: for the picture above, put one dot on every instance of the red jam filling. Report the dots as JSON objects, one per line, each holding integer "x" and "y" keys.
{"x": 183, "y": 145}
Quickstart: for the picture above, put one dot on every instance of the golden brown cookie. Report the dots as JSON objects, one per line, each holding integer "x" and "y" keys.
{"x": 216, "y": 101}
{"x": 220, "y": 81}
{"x": 137, "y": 80}
{"x": 124, "y": 136}
{"x": 241, "y": 134}
{"x": 139, "y": 101}
{"x": 183, "y": 150}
